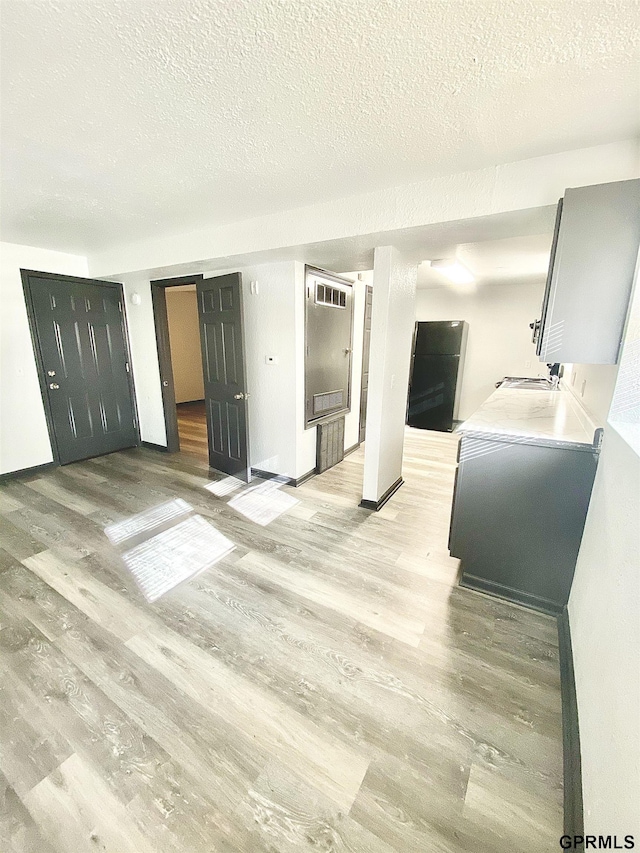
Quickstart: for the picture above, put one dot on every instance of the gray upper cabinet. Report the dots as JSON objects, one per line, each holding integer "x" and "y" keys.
{"x": 593, "y": 258}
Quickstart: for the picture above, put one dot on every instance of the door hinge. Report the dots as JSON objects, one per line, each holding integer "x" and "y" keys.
{"x": 119, "y": 306}
{"x": 126, "y": 364}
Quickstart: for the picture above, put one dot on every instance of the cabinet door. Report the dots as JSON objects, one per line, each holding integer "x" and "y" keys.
{"x": 519, "y": 513}
{"x": 591, "y": 275}
{"x": 537, "y": 336}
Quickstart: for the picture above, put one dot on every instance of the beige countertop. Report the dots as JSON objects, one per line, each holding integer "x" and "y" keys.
{"x": 532, "y": 417}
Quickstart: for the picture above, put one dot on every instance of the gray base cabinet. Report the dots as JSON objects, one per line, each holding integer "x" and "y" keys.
{"x": 518, "y": 516}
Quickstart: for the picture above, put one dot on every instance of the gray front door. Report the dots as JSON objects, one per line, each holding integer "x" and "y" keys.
{"x": 223, "y": 361}
{"x": 79, "y": 330}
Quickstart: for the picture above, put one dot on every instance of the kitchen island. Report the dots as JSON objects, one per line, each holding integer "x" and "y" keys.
{"x": 527, "y": 461}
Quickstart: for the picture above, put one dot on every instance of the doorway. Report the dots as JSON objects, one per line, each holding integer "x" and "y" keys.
{"x": 80, "y": 341}
{"x": 199, "y": 333}
{"x": 175, "y": 310}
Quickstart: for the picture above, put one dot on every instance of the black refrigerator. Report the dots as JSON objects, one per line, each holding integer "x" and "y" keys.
{"x": 436, "y": 374}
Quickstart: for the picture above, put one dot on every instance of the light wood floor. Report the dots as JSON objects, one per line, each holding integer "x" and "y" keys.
{"x": 192, "y": 429}
{"x": 325, "y": 687}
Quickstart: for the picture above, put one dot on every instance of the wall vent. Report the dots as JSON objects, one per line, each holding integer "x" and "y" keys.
{"x": 330, "y": 445}
{"x": 327, "y": 402}
{"x": 333, "y": 297}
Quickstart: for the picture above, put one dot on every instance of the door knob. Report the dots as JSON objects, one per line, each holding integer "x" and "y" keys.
{"x": 347, "y": 351}
{"x": 54, "y": 386}
{"x": 238, "y": 396}
{"x": 51, "y": 373}
{"x": 165, "y": 384}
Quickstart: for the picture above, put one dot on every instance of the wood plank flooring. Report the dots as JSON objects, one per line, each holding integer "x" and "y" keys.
{"x": 192, "y": 429}
{"x": 325, "y": 686}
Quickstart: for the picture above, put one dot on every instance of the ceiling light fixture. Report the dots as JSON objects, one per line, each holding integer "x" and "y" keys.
{"x": 454, "y": 271}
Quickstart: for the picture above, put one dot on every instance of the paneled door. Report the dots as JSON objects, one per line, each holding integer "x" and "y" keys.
{"x": 223, "y": 361}
{"x": 79, "y": 334}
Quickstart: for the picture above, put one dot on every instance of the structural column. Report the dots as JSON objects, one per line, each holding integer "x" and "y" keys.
{"x": 392, "y": 324}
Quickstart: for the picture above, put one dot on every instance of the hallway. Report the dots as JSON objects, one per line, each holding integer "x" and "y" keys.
{"x": 325, "y": 685}
{"x": 192, "y": 429}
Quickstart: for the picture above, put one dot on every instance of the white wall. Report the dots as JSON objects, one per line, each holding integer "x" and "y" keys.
{"x": 352, "y": 420}
{"x": 593, "y": 386}
{"x": 184, "y": 339}
{"x": 274, "y": 325}
{"x": 144, "y": 360}
{"x": 394, "y": 287}
{"x": 24, "y": 439}
{"x": 499, "y": 342}
{"x": 529, "y": 183}
{"x": 270, "y": 330}
{"x": 305, "y": 438}
{"x": 604, "y": 614}
{"x": 604, "y": 609}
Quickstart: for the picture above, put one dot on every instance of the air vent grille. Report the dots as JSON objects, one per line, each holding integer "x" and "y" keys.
{"x": 334, "y": 297}
{"x": 330, "y": 444}
{"x": 327, "y": 402}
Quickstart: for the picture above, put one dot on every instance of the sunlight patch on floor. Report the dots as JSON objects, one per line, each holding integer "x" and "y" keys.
{"x": 175, "y": 555}
{"x": 147, "y": 520}
{"x": 221, "y": 488}
{"x": 264, "y": 503}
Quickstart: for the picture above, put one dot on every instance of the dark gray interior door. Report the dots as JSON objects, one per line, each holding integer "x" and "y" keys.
{"x": 80, "y": 332}
{"x": 223, "y": 361}
{"x": 366, "y": 352}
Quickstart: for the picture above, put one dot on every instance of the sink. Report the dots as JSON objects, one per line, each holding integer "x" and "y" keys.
{"x": 529, "y": 384}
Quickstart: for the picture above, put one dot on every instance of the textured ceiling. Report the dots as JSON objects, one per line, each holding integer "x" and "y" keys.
{"x": 123, "y": 120}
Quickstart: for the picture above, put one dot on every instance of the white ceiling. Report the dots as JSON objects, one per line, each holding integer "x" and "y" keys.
{"x": 126, "y": 119}
{"x": 510, "y": 259}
